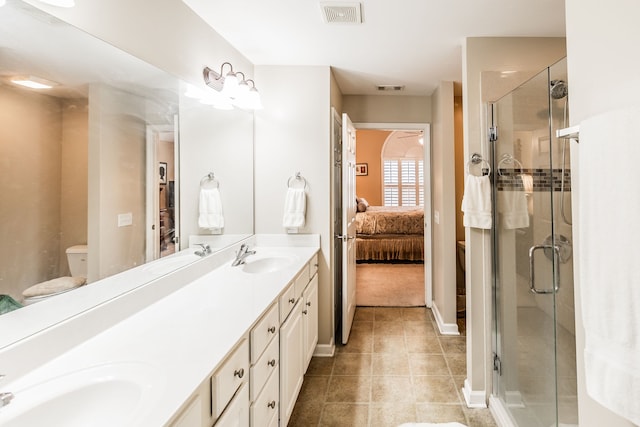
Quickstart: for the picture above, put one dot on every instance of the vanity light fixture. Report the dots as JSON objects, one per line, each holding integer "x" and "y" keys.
{"x": 235, "y": 89}
{"x": 33, "y": 82}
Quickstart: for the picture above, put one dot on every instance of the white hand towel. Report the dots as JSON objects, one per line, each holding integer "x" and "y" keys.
{"x": 211, "y": 216}
{"x": 476, "y": 202}
{"x": 609, "y": 277}
{"x": 512, "y": 206}
{"x": 294, "y": 208}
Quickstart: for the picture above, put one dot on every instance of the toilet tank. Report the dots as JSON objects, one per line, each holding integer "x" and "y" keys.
{"x": 77, "y": 258}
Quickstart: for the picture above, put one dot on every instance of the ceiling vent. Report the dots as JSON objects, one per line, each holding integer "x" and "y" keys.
{"x": 341, "y": 12}
{"x": 390, "y": 88}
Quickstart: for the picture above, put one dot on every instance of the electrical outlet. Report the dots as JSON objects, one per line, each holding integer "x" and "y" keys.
{"x": 125, "y": 219}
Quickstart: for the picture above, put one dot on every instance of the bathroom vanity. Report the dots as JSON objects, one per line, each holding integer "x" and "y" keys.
{"x": 221, "y": 346}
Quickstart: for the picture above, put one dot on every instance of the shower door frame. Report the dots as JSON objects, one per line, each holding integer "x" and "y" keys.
{"x": 508, "y": 400}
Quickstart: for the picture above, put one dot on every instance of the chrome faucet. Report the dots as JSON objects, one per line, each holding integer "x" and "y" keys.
{"x": 6, "y": 397}
{"x": 242, "y": 253}
{"x": 206, "y": 250}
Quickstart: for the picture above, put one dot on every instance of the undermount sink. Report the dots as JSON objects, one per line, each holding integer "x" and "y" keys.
{"x": 269, "y": 264}
{"x": 115, "y": 394}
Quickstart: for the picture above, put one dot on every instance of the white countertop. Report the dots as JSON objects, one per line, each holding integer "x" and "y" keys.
{"x": 182, "y": 337}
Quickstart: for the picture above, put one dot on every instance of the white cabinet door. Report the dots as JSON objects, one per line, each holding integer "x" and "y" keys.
{"x": 237, "y": 413}
{"x": 291, "y": 369}
{"x": 310, "y": 320}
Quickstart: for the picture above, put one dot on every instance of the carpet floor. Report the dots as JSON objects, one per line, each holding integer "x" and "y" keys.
{"x": 390, "y": 285}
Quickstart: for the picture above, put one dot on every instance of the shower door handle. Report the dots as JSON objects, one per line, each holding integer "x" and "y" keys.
{"x": 555, "y": 266}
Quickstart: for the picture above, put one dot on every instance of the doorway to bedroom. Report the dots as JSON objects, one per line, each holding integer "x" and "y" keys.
{"x": 392, "y": 238}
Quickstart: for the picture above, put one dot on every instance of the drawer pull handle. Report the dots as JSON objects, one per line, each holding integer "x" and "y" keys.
{"x": 304, "y": 311}
{"x": 239, "y": 373}
{"x": 272, "y": 404}
{"x": 272, "y": 362}
{"x": 272, "y": 329}
{"x": 292, "y": 300}
{"x": 308, "y": 303}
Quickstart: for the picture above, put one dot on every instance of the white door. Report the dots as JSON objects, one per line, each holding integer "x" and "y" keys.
{"x": 348, "y": 225}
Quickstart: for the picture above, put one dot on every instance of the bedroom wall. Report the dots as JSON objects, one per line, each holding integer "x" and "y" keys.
{"x": 369, "y": 143}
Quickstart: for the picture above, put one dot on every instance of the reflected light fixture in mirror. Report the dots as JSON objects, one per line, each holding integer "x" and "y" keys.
{"x": 238, "y": 92}
{"x": 215, "y": 99}
{"x": 33, "y": 82}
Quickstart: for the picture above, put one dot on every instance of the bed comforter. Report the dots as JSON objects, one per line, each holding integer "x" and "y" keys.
{"x": 386, "y": 233}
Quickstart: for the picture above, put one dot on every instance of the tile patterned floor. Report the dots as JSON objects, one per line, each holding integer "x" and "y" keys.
{"x": 395, "y": 369}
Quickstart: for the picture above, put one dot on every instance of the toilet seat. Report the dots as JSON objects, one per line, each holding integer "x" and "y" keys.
{"x": 50, "y": 288}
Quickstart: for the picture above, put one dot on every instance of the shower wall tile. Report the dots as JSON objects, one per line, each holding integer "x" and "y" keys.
{"x": 543, "y": 179}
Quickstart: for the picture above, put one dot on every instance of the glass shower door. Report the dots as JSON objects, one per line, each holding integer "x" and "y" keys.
{"x": 533, "y": 332}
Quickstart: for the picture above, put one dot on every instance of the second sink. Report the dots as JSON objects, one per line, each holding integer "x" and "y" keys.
{"x": 268, "y": 264}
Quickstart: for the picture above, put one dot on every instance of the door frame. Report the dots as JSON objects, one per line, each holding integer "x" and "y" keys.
{"x": 426, "y": 128}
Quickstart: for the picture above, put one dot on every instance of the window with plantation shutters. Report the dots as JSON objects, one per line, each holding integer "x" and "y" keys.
{"x": 403, "y": 169}
{"x": 403, "y": 180}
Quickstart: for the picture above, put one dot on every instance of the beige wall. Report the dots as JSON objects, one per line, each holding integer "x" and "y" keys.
{"x": 369, "y": 143}
{"x": 74, "y": 177}
{"x": 459, "y": 163}
{"x": 117, "y": 146}
{"x": 30, "y": 153}
{"x": 443, "y": 207}
{"x": 607, "y": 31}
{"x": 291, "y": 136}
{"x": 43, "y": 152}
{"x": 387, "y": 109}
{"x": 481, "y": 55}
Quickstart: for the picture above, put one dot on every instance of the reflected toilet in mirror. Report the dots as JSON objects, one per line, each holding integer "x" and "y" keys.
{"x": 77, "y": 259}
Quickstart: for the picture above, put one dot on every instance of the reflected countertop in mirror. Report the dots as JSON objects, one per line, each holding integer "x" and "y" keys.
{"x": 111, "y": 157}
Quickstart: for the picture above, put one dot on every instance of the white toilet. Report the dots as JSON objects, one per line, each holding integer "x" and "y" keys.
{"x": 77, "y": 259}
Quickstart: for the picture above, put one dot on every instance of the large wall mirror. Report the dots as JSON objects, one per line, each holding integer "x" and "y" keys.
{"x": 104, "y": 167}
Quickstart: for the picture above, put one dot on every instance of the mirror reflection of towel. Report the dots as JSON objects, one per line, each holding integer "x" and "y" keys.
{"x": 294, "y": 208}
{"x": 211, "y": 216}
{"x": 512, "y": 206}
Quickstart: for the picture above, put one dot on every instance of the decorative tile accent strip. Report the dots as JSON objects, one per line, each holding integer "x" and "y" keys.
{"x": 543, "y": 179}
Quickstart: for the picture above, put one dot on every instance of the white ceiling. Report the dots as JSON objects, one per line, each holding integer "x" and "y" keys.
{"x": 415, "y": 43}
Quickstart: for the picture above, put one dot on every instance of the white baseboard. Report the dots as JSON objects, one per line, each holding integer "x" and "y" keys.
{"x": 325, "y": 350}
{"x": 499, "y": 412}
{"x": 445, "y": 328}
{"x": 474, "y": 399}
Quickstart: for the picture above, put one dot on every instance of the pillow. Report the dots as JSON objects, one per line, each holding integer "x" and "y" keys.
{"x": 363, "y": 200}
{"x": 362, "y": 207}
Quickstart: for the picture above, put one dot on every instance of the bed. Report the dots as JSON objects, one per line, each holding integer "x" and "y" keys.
{"x": 390, "y": 233}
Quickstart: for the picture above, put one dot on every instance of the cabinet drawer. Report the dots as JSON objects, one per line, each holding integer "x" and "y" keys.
{"x": 287, "y": 301}
{"x": 229, "y": 377}
{"x": 263, "y": 332}
{"x": 267, "y": 403}
{"x": 267, "y": 364}
{"x": 313, "y": 266}
{"x": 237, "y": 413}
{"x": 301, "y": 281}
